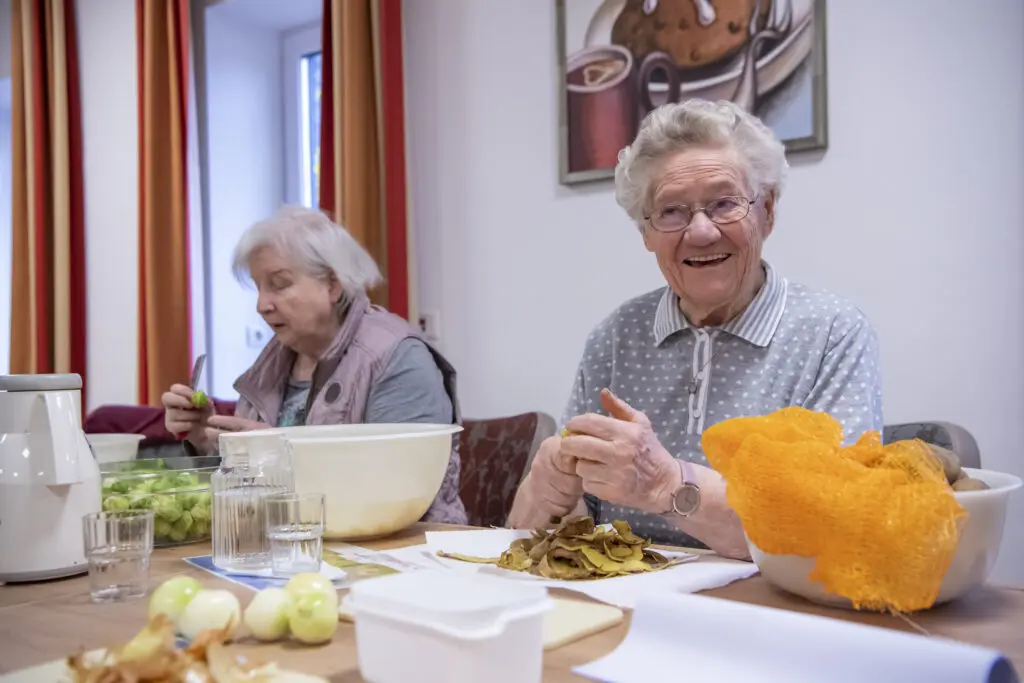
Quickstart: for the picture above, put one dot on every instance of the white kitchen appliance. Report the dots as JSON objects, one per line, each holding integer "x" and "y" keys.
{"x": 49, "y": 478}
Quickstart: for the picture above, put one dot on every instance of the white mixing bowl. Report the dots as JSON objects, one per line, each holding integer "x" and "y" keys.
{"x": 114, "y": 447}
{"x": 377, "y": 478}
{"x": 975, "y": 555}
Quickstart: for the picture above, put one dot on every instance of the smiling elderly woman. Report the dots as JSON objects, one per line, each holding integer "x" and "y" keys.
{"x": 334, "y": 357}
{"x": 728, "y": 337}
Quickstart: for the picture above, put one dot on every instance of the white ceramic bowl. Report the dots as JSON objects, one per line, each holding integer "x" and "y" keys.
{"x": 114, "y": 447}
{"x": 377, "y": 478}
{"x": 975, "y": 556}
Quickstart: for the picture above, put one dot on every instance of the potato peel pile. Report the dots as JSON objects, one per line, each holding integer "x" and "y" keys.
{"x": 577, "y": 550}
{"x": 880, "y": 521}
{"x": 152, "y": 657}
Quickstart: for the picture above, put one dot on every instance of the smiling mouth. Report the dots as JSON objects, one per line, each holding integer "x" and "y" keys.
{"x": 707, "y": 261}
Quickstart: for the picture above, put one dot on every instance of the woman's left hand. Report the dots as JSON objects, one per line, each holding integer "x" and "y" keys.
{"x": 620, "y": 458}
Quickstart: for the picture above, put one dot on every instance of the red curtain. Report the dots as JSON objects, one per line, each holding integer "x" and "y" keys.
{"x": 165, "y": 338}
{"x": 362, "y": 135}
{"x": 48, "y": 302}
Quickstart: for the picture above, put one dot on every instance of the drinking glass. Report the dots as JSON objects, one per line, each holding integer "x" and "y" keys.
{"x": 295, "y": 529}
{"x": 117, "y": 548}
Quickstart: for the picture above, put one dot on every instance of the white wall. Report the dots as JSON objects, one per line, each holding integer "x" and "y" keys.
{"x": 106, "y": 34}
{"x": 915, "y": 212}
{"x": 245, "y": 115}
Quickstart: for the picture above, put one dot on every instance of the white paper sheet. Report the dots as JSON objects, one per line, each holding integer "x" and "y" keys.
{"x": 711, "y": 639}
{"x": 622, "y": 591}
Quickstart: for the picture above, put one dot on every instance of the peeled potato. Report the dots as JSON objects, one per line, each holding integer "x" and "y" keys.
{"x": 969, "y": 484}
{"x": 950, "y": 462}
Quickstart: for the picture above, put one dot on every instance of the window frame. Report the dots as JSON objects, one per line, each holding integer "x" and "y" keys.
{"x": 296, "y": 44}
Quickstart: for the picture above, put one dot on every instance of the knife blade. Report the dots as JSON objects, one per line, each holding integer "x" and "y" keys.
{"x": 197, "y": 371}
{"x": 197, "y": 374}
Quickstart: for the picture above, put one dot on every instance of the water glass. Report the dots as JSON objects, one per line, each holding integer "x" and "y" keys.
{"x": 295, "y": 529}
{"x": 117, "y": 547}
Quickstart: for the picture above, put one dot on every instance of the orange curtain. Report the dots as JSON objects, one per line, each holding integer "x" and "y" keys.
{"x": 48, "y": 332}
{"x": 165, "y": 353}
{"x": 362, "y": 135}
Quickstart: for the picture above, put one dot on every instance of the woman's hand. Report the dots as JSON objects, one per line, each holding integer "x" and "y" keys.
{"x": 557, "y": 487}
{"x": 181, "y": 418}
{"x": 218, "y": 424}
{"x": 620, "y": 459}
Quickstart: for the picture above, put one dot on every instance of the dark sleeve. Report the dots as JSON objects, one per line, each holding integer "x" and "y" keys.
{"x": 411, "y": 388}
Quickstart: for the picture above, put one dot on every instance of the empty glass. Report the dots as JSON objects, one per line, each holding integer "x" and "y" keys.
{"x": 117, "y": 547}
{"x": 295, "y": 529}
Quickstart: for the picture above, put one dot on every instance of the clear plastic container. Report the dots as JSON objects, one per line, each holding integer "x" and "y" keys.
{"x": 170, "y": 487}
{"x": 457, "y": 628}
{"x": 239, "y": 530}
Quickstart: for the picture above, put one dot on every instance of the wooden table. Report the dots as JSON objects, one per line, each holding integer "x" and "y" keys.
{"x": 46, "y": 621}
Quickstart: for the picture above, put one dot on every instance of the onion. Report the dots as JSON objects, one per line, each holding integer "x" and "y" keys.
{"x": 308, "y": 583}
{"x": 210, "y": 609}
{"x": 172, "y": 596}
{"x": 266, "y": 617}
{"x": 313, "y": 618}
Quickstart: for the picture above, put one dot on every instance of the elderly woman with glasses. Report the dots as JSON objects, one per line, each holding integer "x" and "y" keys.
{"x": 727, "y": 337}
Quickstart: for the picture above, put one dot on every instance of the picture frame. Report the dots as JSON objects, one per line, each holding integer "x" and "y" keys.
{"x": 617, "y": 59}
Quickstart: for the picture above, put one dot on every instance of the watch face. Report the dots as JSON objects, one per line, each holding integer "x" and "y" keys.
{"x": 688, "y": 499}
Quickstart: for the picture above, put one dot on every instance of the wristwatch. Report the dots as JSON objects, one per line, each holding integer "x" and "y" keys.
{"x": 686, "y": 499}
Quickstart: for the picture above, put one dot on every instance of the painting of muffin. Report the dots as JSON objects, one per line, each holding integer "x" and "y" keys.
{"x": 621, "y": 58}
{"x": 693, "y": 34}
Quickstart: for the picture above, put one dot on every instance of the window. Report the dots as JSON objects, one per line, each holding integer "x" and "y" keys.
{"x": 309, "y": 94}
{"x": 301, "y": 72}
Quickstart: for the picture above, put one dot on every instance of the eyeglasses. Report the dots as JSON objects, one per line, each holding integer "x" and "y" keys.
{"x": 721, "y": 211}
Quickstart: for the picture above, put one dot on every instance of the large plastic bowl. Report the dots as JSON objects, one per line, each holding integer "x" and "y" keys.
{"x": 975, "y": 555}
{"x": 377, "y": 478}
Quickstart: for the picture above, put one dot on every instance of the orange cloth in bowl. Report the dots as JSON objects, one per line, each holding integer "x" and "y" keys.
{"x": 881, "y": 521}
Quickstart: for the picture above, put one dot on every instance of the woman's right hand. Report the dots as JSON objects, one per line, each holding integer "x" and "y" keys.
{"x": 556, "y": 488}
{"x": 182, "y": 418}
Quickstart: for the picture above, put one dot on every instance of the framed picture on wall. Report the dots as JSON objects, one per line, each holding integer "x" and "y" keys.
{"x": 618, "y": 59}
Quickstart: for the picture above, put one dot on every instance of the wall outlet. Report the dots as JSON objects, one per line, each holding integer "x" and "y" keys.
{"x": 256, "y": 337}
{"x": 430, "y": 325}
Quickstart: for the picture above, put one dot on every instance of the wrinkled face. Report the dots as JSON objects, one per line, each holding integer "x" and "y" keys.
{"x": 714, "y": 269}
{"x": 298, "y": 307}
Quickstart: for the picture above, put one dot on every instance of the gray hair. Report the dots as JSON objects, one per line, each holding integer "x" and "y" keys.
{"x": 696, "y": 123}
{"x": 316, "y": 244}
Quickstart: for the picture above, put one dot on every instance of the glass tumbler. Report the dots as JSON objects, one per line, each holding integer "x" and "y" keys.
{"x": 295, "y": 529}
{"x": 117, "y": 548}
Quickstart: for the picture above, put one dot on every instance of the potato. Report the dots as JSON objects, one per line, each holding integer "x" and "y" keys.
{"x": 969, "y": 484}
{"x": 950, "y": 462}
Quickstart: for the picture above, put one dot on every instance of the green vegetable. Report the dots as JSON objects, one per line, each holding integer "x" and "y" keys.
{"x": 200, "y": 399}
{"x": 161, "y": 528}
{"x": 172, "y": 596}
{"x": 171, "y": 494}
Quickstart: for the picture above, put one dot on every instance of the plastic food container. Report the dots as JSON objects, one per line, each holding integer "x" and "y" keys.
{"x": 449, "y": 628}
{"x": 114, "y": 447}
{"x": 177, "y": 490}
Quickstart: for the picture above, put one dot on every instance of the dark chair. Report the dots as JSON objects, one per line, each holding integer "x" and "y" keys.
{"x": 496, "y": 454}
{"x": 945, "y": 434}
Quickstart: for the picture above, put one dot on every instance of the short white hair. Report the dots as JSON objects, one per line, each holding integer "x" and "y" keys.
{"x": 696, "y": 123}
{"x": 316, "y": 244}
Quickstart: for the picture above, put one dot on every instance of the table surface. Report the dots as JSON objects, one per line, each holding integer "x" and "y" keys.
{"x": 46, "y": 621}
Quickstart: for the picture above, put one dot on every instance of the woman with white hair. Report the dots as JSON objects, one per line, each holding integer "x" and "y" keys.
{"x": 334, "y": 358}
{"x": 727, "y": 337}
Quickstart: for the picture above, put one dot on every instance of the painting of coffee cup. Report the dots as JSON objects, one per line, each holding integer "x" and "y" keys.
{"x": 601, "y": 104}
{"x": 624, "y": 58}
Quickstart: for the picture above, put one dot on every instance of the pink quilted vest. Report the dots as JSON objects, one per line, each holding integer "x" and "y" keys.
{"x": 342, "y": 382}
